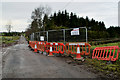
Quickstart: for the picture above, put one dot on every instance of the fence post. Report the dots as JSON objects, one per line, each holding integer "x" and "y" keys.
{"x": 36, "y": 36}
{"x": 47, "y": 36}
{"x": 30, "y": 37}
{"x": 33, "y": 36}
{"x": 64, "y": 35}
{"x": 39, "y": 36}
{"x": 86, "y": 34}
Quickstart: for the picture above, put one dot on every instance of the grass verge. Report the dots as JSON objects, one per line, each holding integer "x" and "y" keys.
{"x": 6, "y": 40}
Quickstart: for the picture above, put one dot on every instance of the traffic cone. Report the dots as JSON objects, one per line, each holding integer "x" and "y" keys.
{"x": 50, "y": 53}
{"x": 78, "y": 56}
{"x": 35, "y": 49}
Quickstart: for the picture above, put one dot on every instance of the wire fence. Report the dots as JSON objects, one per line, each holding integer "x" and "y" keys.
{"x": 63, "y": 35}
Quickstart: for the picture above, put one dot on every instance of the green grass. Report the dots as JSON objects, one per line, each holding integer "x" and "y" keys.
{"x": 8, "y": 39}
{"x": 103, "y": 45}
{"x": 102, "y": 66}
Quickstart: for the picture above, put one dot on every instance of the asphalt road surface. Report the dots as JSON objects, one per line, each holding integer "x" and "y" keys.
{"x": 20, "y": 62}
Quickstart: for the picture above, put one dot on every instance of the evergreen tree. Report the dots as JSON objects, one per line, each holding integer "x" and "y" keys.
{"x": 45, "y": 21}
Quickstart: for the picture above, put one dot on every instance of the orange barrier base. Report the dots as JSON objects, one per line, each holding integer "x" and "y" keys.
{"x": 35, "y": 50}
{"x": 78, "y": 57}
{"x": 50, "y": 54}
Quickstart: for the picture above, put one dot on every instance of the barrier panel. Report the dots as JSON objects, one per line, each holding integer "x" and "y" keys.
{"x": 109, "y": 53}
{"x": 57, "y": 48}
{"x": 41, "y": 46}
{"x": 33, "y": 45}
{"x": 78, "y": 49}
{"x": 29, "y": 45}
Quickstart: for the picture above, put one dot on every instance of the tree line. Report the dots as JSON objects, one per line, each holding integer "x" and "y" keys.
{"x": 11, "y": 33}
{"x": 41, "y": 21}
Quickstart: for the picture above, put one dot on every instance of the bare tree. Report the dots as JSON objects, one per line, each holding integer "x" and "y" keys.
{"x": 47, "y": 10}
{"x": 45, "y": 18}
{"x": 37, "y": 16}
{"x": 9, "y": 26}
{"x": 39, "y": 13}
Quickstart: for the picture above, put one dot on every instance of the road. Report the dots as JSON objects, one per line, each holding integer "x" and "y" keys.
{"x": 20, "y": 62}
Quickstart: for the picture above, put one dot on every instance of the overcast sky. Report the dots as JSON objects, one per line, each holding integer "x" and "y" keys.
{"x": 19, "y": 13}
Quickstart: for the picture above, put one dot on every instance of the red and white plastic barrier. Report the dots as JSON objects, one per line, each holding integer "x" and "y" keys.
{"x": 33, "y": 45}
{"x": 78, "y": 49}
{"x": 106, "y": 53}
{"x": 41, "y": 46}
{"x": 57, "y": 48}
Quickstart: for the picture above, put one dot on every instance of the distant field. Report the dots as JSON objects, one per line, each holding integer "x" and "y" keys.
{"x": 8, "y": 39}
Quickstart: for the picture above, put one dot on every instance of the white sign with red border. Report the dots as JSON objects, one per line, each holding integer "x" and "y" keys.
{"x": 75, "y": 31}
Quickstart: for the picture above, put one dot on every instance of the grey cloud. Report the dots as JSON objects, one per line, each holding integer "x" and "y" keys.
{"x": 102, "y": 11}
